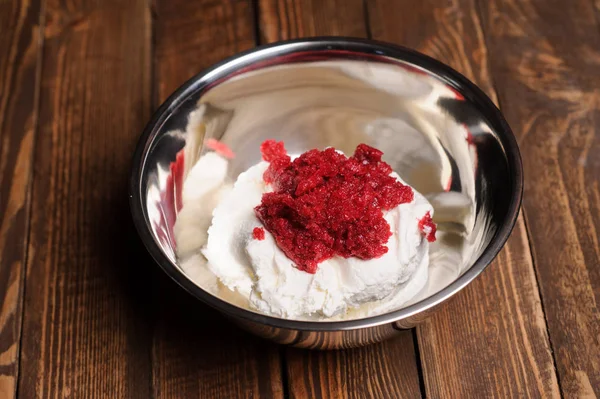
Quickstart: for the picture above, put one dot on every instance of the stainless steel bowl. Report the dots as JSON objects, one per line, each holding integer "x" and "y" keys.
{"x": 436, "y": 128}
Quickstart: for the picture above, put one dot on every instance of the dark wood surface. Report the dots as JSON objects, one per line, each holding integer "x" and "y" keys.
{"x": 20, "y": 46}
{"x": 557, "y": 121}
{"x": 83, "y": 311}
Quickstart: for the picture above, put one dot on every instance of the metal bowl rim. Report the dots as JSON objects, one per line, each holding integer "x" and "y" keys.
{"x": 469, "y": 90}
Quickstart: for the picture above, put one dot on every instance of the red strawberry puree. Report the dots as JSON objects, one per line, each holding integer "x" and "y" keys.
{"x": 427, "y": 226}
{"x": 325, "y": 204}
{"x": 258, "y": 233}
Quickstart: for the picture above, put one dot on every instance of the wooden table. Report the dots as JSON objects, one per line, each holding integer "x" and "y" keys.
{"x": 85, "y": 313}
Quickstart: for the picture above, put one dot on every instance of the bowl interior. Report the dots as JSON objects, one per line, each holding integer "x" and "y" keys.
{"x": 436, "y": 129}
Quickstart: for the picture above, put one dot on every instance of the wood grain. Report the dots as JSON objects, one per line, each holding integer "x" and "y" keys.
{"x": 20, "y": 60}
{"x": 288, "y": 19}
{"x": 547, "y": 55}
{"x": 86, "y": 311}
{"x": 196, "y": 352}
{"x": 385, "y": 370}
{"x": 491, "y": 340}
{"x": 193, "y": 35}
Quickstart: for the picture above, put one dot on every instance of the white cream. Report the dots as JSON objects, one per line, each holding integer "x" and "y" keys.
{"x": 259, "y": 270}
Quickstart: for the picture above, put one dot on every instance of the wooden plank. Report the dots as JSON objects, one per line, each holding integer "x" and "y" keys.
{"x": 288, "y": 19}
{"x": 545, "y": 57}
{"x": 196, "y": 352}
{"x": 86, "y": 321}
{"x": 20, "y": 46}
{"x": 491, "y": 340}
{"x": 385, "y": 370}
{"x": 193, "y": 35}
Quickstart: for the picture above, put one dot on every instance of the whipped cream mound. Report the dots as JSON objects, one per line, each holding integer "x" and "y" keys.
{"x": 259, "y": 271}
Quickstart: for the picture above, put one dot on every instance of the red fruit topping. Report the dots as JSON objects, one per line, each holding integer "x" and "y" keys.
{"x": 272, "y": 150}
{"x": 220, "y": 148}
{"x": 275, "y": 153}
{"x": 427, "y": 227}
{"x": 258, "y": 233}
{"x": 325, "y": 204}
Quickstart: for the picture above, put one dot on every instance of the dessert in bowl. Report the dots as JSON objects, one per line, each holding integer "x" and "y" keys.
{"x": 311, "y": 237}
{"x": 327, "y": 192}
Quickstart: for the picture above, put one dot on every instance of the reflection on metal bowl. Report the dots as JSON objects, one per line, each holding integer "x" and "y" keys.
{"x": 436, "y": 129}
